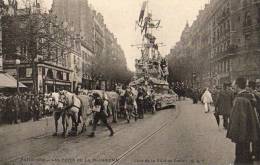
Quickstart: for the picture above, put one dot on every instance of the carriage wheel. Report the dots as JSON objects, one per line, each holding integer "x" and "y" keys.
{"x": 158, "y": 106}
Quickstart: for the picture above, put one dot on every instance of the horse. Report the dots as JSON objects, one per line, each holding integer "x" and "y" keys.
{"x": 127, "y": 103}
{"x": 149, "y": 103}
{"x": 77, "y": 108}
{"x": 47, "y": 104}
{"x": 113, "y": 102}
{"x": 121, "y": 103}
{"x": 51, "y": 102}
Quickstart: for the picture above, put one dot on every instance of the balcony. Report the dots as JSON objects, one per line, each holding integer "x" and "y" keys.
{"x": 231, "y": 51}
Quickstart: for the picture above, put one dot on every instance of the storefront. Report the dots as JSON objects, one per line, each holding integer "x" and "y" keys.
{"x": 50, "y": 78}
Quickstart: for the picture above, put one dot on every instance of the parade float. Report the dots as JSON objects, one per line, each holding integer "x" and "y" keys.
{"x": 152, "y": 68}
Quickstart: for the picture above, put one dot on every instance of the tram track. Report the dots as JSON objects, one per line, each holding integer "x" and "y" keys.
{"x": 147, "y": 138}
{"x": 42, "y": 147}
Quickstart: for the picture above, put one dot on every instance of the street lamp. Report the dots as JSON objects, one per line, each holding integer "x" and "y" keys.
{"x": 17, "y": 63}
{"x": 194, "y": 76}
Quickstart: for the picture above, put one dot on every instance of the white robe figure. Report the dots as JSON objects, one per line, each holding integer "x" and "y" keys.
{"x": 207, "y": 99}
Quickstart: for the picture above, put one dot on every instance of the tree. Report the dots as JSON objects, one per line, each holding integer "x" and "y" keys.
{"x": 34, "y": 36}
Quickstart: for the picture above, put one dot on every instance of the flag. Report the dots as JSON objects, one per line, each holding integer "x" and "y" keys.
{"x": 147, "y": 21}
{"x": 141, "y": 16}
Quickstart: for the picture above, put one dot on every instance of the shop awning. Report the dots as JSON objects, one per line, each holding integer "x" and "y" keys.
{"x": 8, "y": 81}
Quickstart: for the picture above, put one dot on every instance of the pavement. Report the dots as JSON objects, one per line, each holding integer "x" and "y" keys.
{"x": 185, "y": 135}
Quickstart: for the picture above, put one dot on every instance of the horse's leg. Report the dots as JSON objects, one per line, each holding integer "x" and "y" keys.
{"x": 84, "y": 125}
{"x": 130, "y": 113}
{"x": 56, "y": 118}
{"x": 136, "y": 113}
{"x": 114, "y": 113}
{"x": 74, "y": 128}
{"x": 127, "y": 116}
{"x": 83, "y": 115}
{"x": 65, "y": 124}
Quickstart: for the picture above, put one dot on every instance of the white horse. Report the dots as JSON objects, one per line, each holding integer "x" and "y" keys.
{"x": 76, "y": 107}
{"x": 52, "y": 102}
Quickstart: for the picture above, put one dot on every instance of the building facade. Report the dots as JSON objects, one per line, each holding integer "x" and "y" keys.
{"x": 87, "y": 66}
{"x": 99, "y": 47}
{"x": 74, "y": 50}
{"x": 1, "y": 51}
{"x": 223, "y": 42}
{"x": 44, "y": 55}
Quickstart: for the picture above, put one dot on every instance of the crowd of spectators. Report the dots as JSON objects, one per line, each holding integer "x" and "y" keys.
{"x": 16, "y": 108}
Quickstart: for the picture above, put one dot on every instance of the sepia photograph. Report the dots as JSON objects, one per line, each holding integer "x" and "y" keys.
{"x": 129, "y": 82}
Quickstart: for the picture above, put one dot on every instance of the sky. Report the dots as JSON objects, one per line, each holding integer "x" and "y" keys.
{"x": 120, "y": 17}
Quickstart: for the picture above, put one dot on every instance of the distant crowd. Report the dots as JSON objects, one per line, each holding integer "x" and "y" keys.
{"x": 23, "y": 107}
{"x": 183, "y": 91}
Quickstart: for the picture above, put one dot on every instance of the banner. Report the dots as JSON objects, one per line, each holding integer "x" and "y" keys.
{"x": 141, "y": 16}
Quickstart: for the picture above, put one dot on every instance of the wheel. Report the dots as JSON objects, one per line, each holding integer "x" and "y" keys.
{"x": 158, "y": 106}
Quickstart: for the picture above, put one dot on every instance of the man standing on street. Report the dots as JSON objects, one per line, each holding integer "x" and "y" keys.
{"x": 16, "y": 101}
{"x": 140, "y": 103}
{"x": 224, "y": 103}
{"x": 99, "y": 114}
{"x": 256, "y": 93}
{"x": 244, "y": 127}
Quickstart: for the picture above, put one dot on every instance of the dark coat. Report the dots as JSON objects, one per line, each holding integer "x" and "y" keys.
{"x": 215, "y": 94}
{"x": 224, "y": 102}
{"x": 257, "y": 96}
{"x": 244, "y": 123}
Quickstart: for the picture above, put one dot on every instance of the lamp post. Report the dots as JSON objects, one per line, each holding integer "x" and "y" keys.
{"x": 17, "y": 63}
{"x": 194, "y": 76}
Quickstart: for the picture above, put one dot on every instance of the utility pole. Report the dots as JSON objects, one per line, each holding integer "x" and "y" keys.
{"x": 1, "y": 53}
{"x": 2, "y": 6}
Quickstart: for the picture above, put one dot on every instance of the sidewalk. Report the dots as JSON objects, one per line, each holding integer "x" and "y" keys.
{"x": 11, "y": 133}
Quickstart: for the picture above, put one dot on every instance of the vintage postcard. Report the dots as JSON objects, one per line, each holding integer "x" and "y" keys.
{"x": 138, "y": 82}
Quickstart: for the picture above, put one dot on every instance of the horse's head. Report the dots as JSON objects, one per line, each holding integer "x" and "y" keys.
{"x": 63, "y": 101}
{"x": 90, "y": 99}
{"x": 47, "y": 102}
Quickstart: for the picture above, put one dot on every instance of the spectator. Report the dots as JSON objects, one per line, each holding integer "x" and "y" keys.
{"x": 224, "y": 103}
{"x": 244, "y": 126}
{"x": 256, "y": 92}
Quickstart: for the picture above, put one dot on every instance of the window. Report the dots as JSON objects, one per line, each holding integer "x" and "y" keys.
{"x": 248, "y": 20}
{"x": 59, "y": 75}
{"x": 50, "y": 74}
{"x": 22, "y": 72}
{"x": 258, "y": 17}
{"x": 67, "y": 76}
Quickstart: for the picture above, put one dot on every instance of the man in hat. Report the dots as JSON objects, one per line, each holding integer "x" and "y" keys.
{"x": 140, "y": 103}
{"x": 244, "y": 127}
{"x": 255, "y": 90}
{"x": 99, "y": 114}
{"x": 224, "y": 103}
